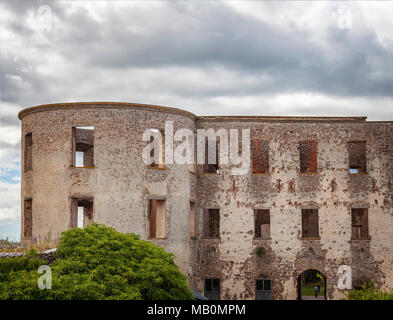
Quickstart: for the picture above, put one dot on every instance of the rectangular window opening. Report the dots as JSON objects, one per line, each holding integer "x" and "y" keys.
{"x": 28, "y": 218}
{"x": 308, "y": 156}
{"x": 28, "y": 157}
{"x": 263, "y": 289}
{"x": 192, "y": 219}
{"x": 81, "y": 212}
{"x": 357, "y": 157}
{"x": 211, "y": 223}
{"x": 212, "y": 150}
{"x": 359, "y": 223}
{"x": 310, "y": 224}
{"x": 262, "y": 223}
{"x": 260, "y": 156}
{"x": 83, "y": 146}
{"x": 159, "y": 160}
{"x": 157, "y": 219}
{"x": 212, "y": 289}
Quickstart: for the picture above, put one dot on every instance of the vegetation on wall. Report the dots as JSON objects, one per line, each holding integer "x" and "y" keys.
{"x": 260, "y": 251}
{"x": 97, "y": 262}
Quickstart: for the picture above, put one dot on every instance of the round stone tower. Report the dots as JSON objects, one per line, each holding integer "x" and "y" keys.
{"x": 82, "y": 163}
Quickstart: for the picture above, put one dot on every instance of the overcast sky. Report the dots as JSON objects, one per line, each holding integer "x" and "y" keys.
{"x": 208, "y": 57}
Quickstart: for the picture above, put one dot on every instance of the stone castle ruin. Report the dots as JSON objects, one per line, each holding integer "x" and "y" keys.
{"x": 318, "y": 195}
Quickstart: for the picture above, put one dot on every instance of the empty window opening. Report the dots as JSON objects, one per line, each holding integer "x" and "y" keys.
{"x": 83, "y": 146}
{"x": 28, "y": 218}
{"x": 310, "y": 224}
{"x": 80, "y": 223}
{"x": 211, "y": 148}
{"x": 260, "y": 156}
{"x": 211, "y": 223}
{"x": 357, "y": 157}
{"x": 359, "y": 223}
{"x": 192, "y": 219}
{"x": 79, "y": 158}
{"x": 263, "y": 289}
{"x": 81, "y": 212}
{"x": 262, "y": 223}
{"x": 28, "y": 158}
{"x": 212, "y": 289}
{"x": 157, "y": 219}
{"x": 158, "y": 159}
{"x": 308, "y": 156}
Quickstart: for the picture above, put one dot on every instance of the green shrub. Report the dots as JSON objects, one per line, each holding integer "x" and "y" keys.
{"x": 368, "y": 292}
{"x": 29, "y": 262}
{"x": 98, "y": 262}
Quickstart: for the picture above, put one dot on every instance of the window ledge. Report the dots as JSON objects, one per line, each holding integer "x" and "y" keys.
{"x": 358, "y": 173}
{"x": 156, "y": 168}
{"x": 84, "y": 167}
{"x": 262, "y": 238}
{"x": 157, "y": 238}
{"x": 310, "y": 238}
{"x": 362, "y": 238}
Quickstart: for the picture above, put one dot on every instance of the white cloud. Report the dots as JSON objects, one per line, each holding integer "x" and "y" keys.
{"x": 9, "y": 203}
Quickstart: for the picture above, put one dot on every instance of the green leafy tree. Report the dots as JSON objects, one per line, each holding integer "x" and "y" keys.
{"x": 98, "y": 262}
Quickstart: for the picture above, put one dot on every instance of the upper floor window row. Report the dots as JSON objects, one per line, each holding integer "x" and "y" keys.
{"x": 83, "y": 154}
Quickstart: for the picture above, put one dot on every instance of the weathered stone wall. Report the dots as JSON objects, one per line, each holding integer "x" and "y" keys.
{"x": 119, "y": 183}
{"x": 285, "y": 191}
{"x": 121, "y": 186}
{"x": 47, "y": 255}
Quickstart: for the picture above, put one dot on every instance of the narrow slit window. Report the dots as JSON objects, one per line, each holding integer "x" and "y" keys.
{"x": 212, "y": 289}
{"x": 157, "y": 219}
{"x": 81, "y": 212}
{"x": 83, "y": 146}
{"x": 262, "y": 223}
{"x": 357, "y": 157}
{"x": 192, "y": 219}
{"x": 28, "y": 218}
{"x": 211, "y": 223}
{"x": 359, "y": 223}
{"x": 28, "y": 158}
{"x": 308, "y": 156}
{"x": 260, "y": 156}
{"x": 310, "y": 224}
{"x": 211, "y": 162}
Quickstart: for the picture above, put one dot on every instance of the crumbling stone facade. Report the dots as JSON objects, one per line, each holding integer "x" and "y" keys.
{"x": 332, "y": 165}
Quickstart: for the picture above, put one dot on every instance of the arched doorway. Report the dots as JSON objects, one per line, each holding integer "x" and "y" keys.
{"x": 306, "y": 283}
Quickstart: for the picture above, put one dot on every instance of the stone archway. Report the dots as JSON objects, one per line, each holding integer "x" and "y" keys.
{"x": 306, "y": 282}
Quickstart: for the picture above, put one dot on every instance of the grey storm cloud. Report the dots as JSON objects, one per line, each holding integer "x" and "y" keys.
{"x": 205, "y": 37}
{"x": 225, "y": 38}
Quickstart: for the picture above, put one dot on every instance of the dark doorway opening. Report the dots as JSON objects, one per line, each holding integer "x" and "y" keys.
{"x": 306, "y": 283}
